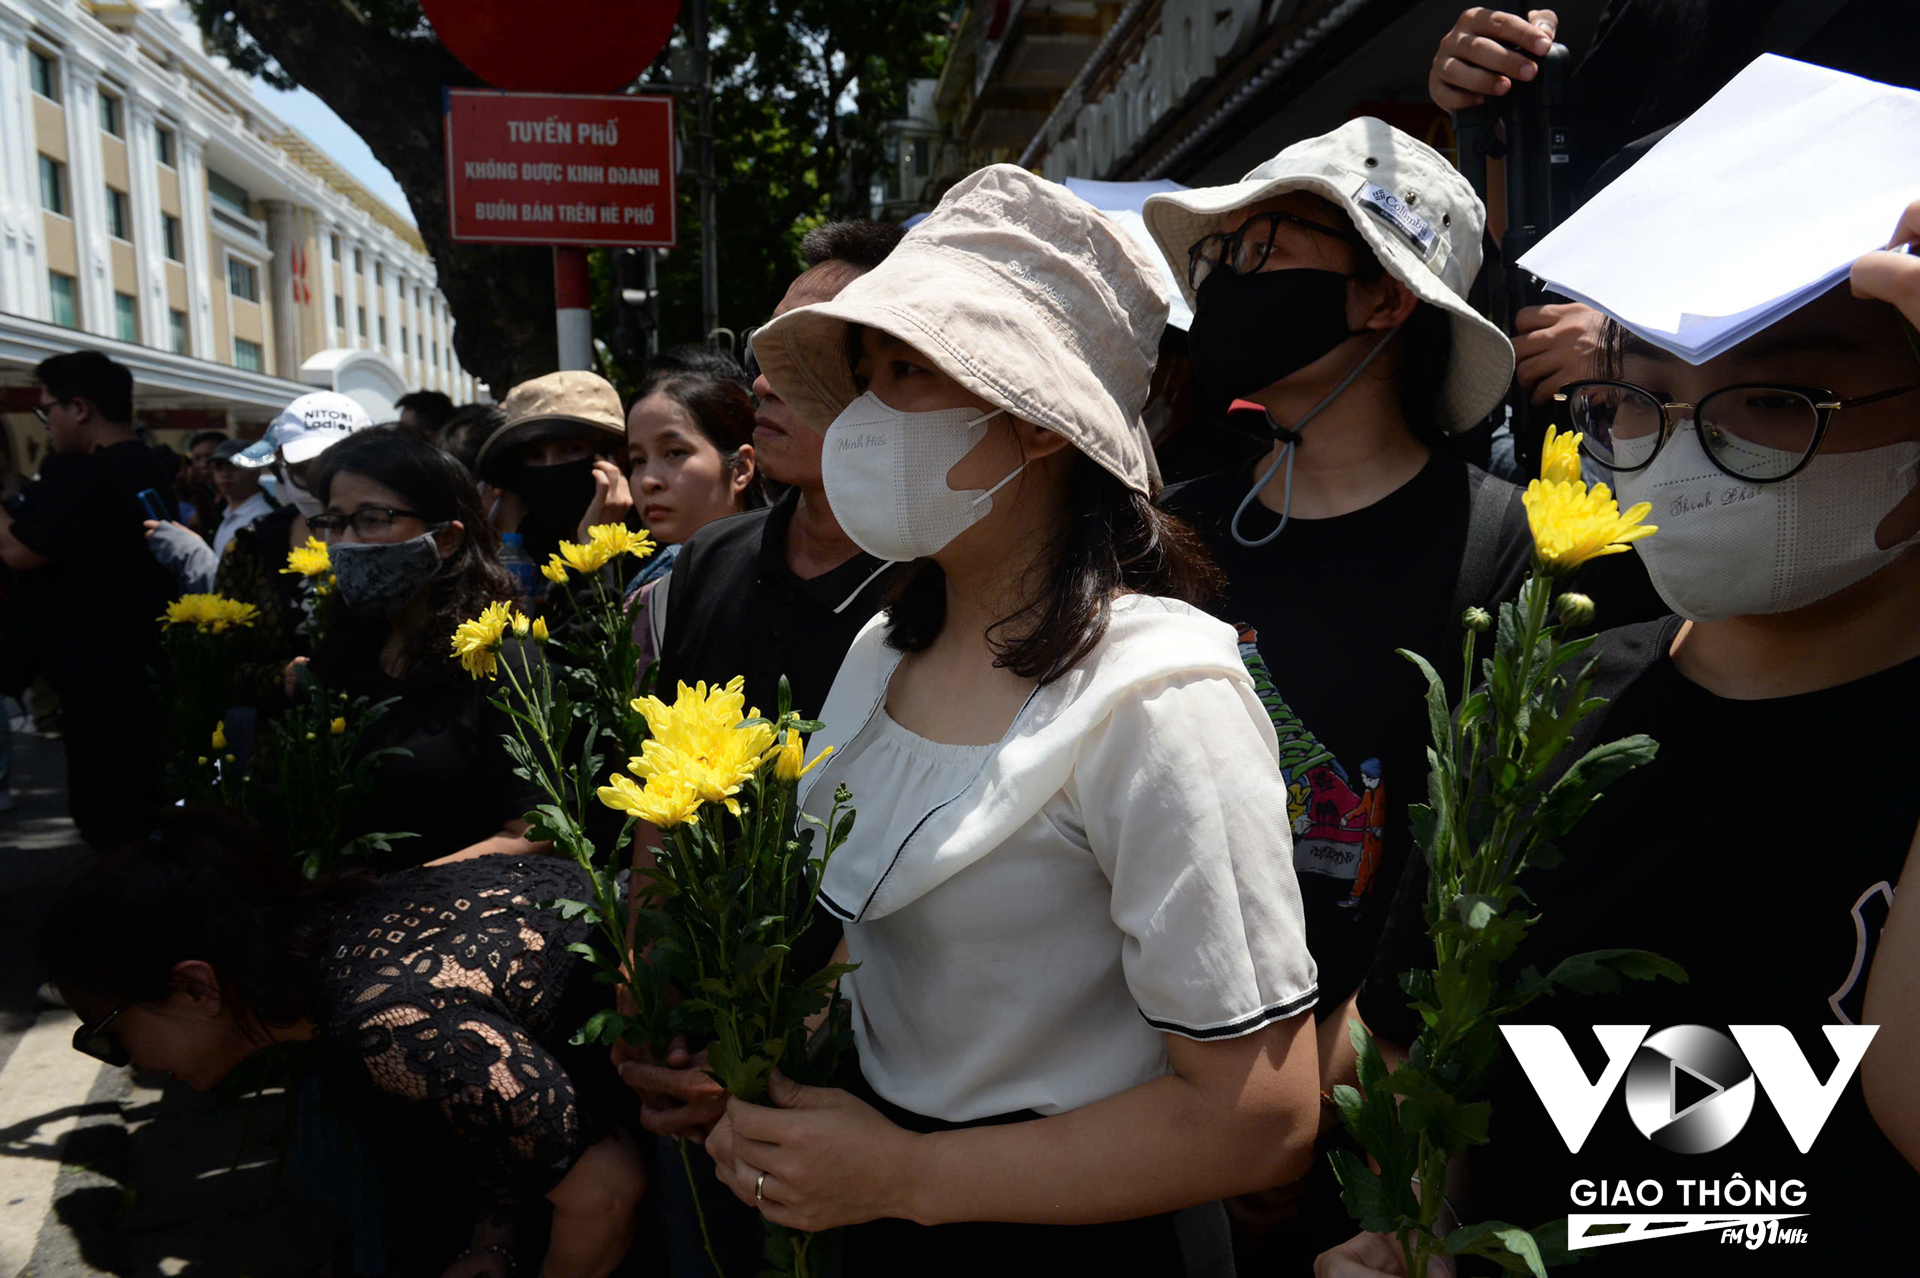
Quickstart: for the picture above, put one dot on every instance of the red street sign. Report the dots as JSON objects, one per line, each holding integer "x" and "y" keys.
{"x": 560, "y": 168}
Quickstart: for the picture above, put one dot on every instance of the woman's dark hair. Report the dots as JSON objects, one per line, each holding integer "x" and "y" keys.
{"x": 722, "y": 411}
{"x": 440, "y": 490}
{"x": 1116, "y": 542}
{"x": 207, "y": 886}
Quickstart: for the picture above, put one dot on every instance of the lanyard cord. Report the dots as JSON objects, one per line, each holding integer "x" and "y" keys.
{"x": 1291, "y": 438}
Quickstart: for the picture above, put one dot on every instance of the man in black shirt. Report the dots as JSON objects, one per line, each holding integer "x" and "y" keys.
{"x": 779, "y": 591}
{"x": 90, "y": 593}
{"x": 1760, "y": 849}
{"x": 769, "y": 593}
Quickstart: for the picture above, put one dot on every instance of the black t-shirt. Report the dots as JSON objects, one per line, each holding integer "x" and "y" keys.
{"x": 1759, "y": 851}
{"x": 1327, "y": 603}
{"x": 735, "y": 608}
{"x": 93, "y": 608}
{"x": 456, "y": 785}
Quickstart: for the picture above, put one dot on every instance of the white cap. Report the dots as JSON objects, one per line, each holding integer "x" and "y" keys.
{"x": 304, "y": 429}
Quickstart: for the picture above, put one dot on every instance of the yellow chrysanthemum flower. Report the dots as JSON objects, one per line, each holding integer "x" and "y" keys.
{"x": 1572, "y": 525}
{"x": 1560, "y": 458}
{"x": 521, "y": 625}
{"x": 618, "y": 539}
{"x": 665, "y": 802}
{"x": 554, "y": 570}
{"x": 338, "y": 727}
{"x": 309, "y": 560}
{"x": 539, "y": 629}
{"x": 786, "y": 758}
{"x": 701, "y": 741}
{"x": 220, "y": 736}
{"x": 214, "y": 613}
{"x": 585, "y": 559}
{"x": 476, "y": 642}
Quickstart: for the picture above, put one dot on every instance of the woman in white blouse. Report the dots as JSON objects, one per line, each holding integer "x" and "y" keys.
{"x": 1082, "y": 975}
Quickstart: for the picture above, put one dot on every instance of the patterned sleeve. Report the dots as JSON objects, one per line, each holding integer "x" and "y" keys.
{"x": 509, "y": 1110}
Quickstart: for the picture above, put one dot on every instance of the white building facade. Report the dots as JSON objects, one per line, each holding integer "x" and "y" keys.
{"x": 152, "y": 208}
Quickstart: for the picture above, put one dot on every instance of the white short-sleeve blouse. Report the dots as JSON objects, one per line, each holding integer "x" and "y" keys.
{"x": 1031, "y": 917}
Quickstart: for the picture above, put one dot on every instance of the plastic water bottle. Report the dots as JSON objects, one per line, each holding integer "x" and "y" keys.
{"x": 520, "y": 567}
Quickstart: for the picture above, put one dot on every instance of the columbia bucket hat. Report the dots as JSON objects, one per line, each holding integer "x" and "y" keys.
{"x": 1017, "y": 289}
{"x": 1411, "y": 207}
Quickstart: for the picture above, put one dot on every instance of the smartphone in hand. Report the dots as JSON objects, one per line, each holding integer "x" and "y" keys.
{"x": 155, "y": 507}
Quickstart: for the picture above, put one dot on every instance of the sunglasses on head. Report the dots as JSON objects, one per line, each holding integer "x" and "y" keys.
{"x": 93, "y": 1039}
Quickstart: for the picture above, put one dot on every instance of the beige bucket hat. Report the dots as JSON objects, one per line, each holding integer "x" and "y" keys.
{"x": 557, "y": 404}
{"x": 1413, "y": 209}
{"x": 1019, "y": 290}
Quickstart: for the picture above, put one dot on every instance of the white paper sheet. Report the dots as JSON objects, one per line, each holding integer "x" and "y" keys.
{"x": 1756, "y": 204}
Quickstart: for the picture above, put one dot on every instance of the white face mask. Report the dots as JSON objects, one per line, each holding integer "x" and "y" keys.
{"x": 1731, "y": 548}
{"x": 885, "y": 473}
{"x": 305, "y": 502}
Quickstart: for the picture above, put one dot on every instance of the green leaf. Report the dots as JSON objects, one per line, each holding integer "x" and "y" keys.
{"x": 1509, "y": 1246}
{"x": 1372, "y": 1203}
{"x": 1600, "y": 971}
{"x": 1567, "y": 802}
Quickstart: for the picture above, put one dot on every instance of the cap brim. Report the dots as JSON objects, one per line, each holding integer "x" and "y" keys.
{"x": 545, "y": 426}
{"x": 1480, "y": 367}
{"x": 255, "y": 456}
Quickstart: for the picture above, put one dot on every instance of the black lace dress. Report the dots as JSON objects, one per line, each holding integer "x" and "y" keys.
{"x": 448, "y": 996}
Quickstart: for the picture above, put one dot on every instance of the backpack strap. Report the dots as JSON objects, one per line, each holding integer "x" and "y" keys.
{"x": 1493, "y": 499}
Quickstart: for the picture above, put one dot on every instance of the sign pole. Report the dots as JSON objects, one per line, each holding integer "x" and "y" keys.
{"x": 573, "y": 302}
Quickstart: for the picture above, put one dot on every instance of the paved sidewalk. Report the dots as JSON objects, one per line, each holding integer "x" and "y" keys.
{"x": 102, "y": 1172}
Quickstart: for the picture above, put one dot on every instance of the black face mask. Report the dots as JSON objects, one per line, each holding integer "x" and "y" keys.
{"x": 1250, "y": 331}
{"x": 556, "y": 497}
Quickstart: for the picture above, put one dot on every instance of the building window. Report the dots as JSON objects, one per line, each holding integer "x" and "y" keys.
{"x": 403, "y": 341}
{"x": 177, "y": 331}
{"x": 163, "y": 144}
{"x": 126, "y": 318}
{"x": 175, "y": 238}
{"x": 416, "y": 297}
{"x": 359, "y": 262}
{"x": 420, "y": 346}
{"x": 383, "y": 332}
{"x": 112, "y": 118}
{"x": 65, "y": 313}
{"x": 227, "y": 192}
{"x": 243, "y": 280}
{"x": 248, "y": 355}
{"x": 333, "y": 246}
{"x": 46, "y": 80}
{"x": 340, "y": 313}
{"x": 119, "y": 215}
{"x": 435, "y": 361}
{"x": 360, "y": 320}
{"x": 379, "y": 274}
{"x": 53, "y": 185}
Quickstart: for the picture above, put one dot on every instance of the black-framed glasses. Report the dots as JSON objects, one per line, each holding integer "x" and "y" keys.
{"x": 1246, "y": 250}
{"x": 45, "y": 411}
{"x": 1759, "y": 432}
{"x": 95, "y": 1039}
{"x": 368, "y": 522}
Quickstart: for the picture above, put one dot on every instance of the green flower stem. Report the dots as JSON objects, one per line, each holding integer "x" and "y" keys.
{"x": 699, "y": 1212}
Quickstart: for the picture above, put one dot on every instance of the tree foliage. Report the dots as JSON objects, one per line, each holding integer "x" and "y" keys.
{"x": 802, "y": 91}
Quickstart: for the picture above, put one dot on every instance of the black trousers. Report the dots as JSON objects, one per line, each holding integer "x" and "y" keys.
{"x": 113, "y": 779}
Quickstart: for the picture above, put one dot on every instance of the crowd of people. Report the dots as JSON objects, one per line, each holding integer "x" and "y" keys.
{"x": 1133, "y": 762}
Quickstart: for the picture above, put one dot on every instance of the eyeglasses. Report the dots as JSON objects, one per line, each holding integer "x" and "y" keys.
{"x": 1246, "y": 250}
{"x": 1758, "y": 432}
{"x": 747, "y": 360}
{"x": 92, "y": 1039}
{"x": 45, "y": 411}
{"x": 366, "y": 522}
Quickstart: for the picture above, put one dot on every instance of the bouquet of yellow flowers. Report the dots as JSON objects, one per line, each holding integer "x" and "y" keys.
{"x": 704, "y": 948}
{"x": 597, "y": 643}
{"x": 196, "y": 685}
{"x": 1499, "y": 797}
